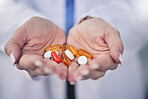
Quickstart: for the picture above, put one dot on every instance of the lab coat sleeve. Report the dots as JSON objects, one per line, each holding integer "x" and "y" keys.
{"x": 121, "y": 15}
{"x": 13, "y": 14}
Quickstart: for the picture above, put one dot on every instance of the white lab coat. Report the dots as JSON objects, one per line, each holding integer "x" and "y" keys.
{"x": 126, "y": 82}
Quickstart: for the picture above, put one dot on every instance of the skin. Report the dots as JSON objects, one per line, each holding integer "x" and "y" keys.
{"x": 103, "y": 41}
{"x": 29, "y": 41}
{"x": 28, "y": 45}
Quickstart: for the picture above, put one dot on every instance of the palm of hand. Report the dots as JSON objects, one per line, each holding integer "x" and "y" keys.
{"x": 38, "y": 34}
{"x": 28, "y": 44}
{"x": 89, "y": 36}
{"x": 93, "y": 36}
{"x": 41, "y": 34}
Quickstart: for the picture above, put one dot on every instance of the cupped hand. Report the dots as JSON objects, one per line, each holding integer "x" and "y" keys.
{"x": 27, "y": 45}
{"x": 103, "y": 41}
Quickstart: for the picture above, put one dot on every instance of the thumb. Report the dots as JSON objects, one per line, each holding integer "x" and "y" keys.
{"x": 14, "y": 45}
{"x": 112, "y": 38}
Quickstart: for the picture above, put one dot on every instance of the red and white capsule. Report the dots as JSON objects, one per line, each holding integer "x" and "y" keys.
{"x": 55, "y": 57}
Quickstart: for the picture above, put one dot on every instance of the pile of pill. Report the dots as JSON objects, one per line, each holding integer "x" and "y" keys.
{"x": 69, "y": 53}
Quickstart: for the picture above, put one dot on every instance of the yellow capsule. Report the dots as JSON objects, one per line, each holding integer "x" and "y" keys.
{"x": 64, "y": 47}
{"x": 55, "y": 47}
{"x": 65, "y": 59}
{"x": 73, "y": 50}
{"x": 85, "y": 53}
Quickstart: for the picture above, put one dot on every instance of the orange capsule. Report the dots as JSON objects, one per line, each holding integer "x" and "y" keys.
{"x": 64, "y": 47}
{"x": 73, "y": 50}
{"x": 85, "y": 53}
{"x": 65, "y": 59}
{"x": 55, "y": 47}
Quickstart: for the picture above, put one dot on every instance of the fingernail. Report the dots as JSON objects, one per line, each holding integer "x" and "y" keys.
{"x": 93, "y": 67}
{"x": 85, "y": 72}
{"x": 120, "y": 58}
{"x": 12, "y": 58}
{"x": 72, "y": 83}
{"x": 48, "y": 71}
{"x": 79, "y": 78}
{"x": 38, "y": 63}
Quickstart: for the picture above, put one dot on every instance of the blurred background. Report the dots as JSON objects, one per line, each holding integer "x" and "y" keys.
{"x": 142, "y": 11}
{"x": 144, "y": 64}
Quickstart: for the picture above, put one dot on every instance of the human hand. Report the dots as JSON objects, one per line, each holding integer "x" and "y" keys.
{"x": 27, "y": 46}
{"x": 103, "y": 41}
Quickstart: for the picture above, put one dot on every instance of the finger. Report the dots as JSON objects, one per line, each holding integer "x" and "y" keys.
{"x": 101, "y": 62}
{"x": 31, "y": 61}
{"x": 63, "y": 74}
{"x": 31, "y": 74}
{"x": 27, "y": 73}
{"x": 53, "y": 67}
{"x": 44, "y": 70}
{"x": 112, "y": 38}
{"x": 40, "y": 71}
{"x": 81, "y": 72}
{"x": 71, "y": 69}
{"x": 95, "y": 74}
{"x": 14, "y": 45}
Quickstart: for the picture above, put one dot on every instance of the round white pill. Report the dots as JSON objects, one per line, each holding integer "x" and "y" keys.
{"x": 82, "y": 60}
{"x": 47, "y": 54}
{"x": 69, "y": 54}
